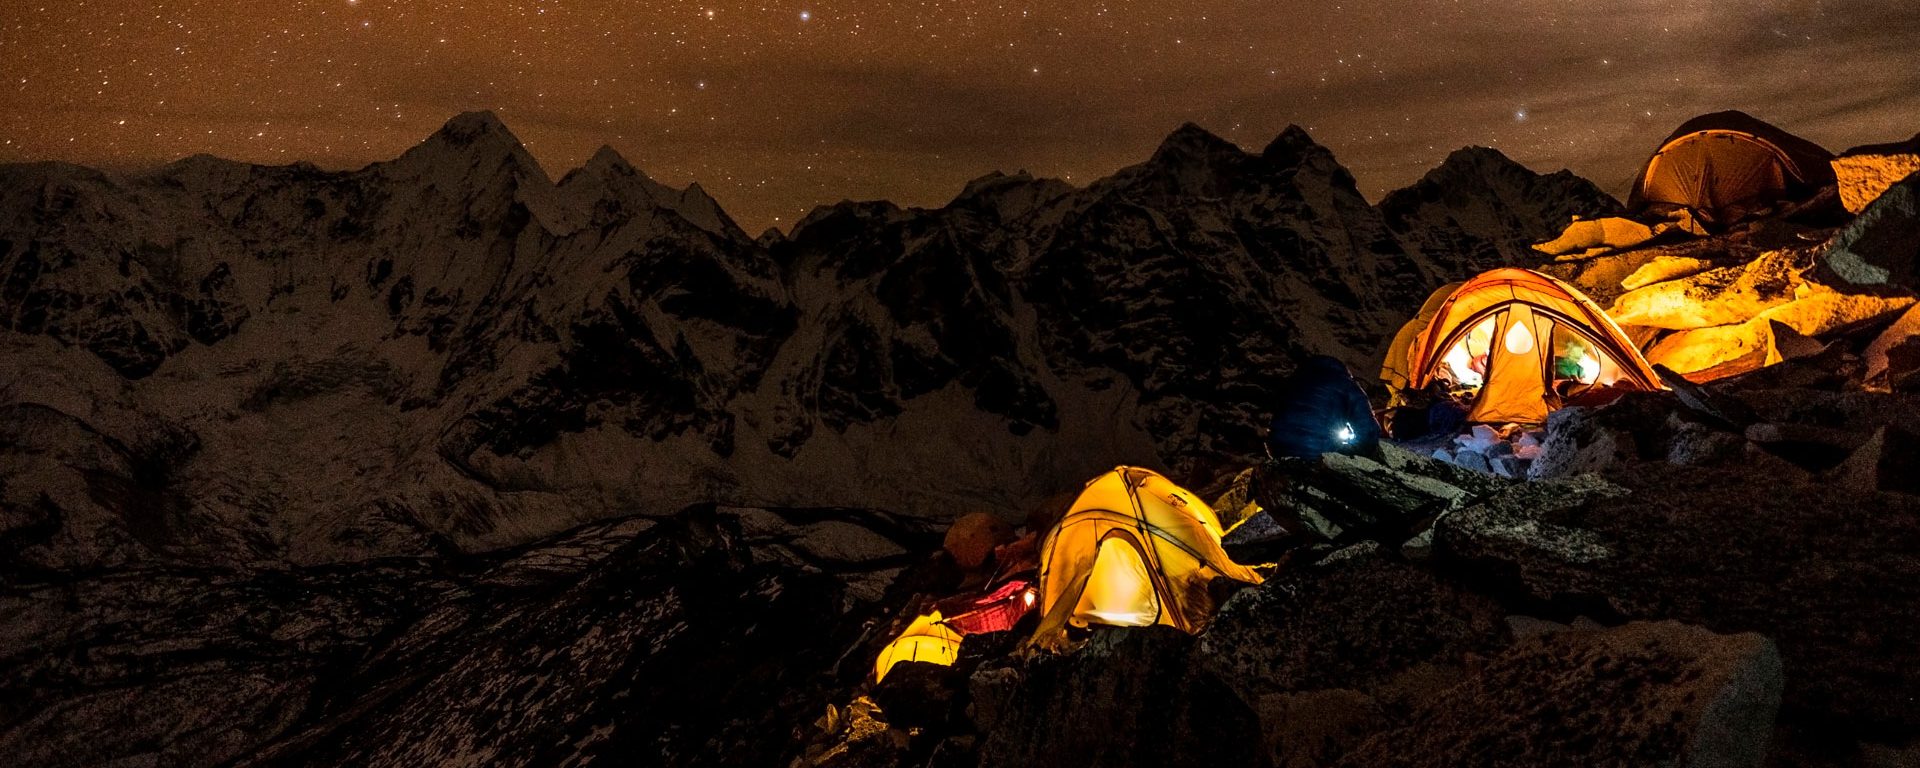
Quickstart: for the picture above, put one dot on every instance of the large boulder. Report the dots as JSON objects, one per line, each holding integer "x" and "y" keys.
{"x": 1641, "y": 694}
{"x": 1775, "y": 334}
{"x": 1578, "y": 442}
{"x": 1879, "y": 354}
{"x": 1337, "y": 496}
{"x": 1864, "y": 173}
{"x": 1882, "y": 245}
{"x": 1606, "y": 277}
{"x": 1314, "y": 728}
{"x": 1903, "y": 367}
{"x": 1237, "y": 504}
{"x": 1665, "y": 268}
{"x": 1887, "y": 461}
{"x": 1704, "y": 349}
{"x": 1698, "y": 444}
{"x": 1743, "y": 314}
{"x": 1853, "y": 411}
{"x": 1326, "y": 654}
{"x": 1538, "y": 558}
{"x": 1718, "y": 296}
{"x": 971, "y": 539}
{"x": 1833, "y": 367}
{"x": 866, "y": 548}
{"x": 1356, "y": 620}
{"x": 1818, "y": 310}
{"x": 1826, "y": 571}
{"x": 1425, "y": 465}
{"x": 1591, "y": 439}
{"x": 1124, "y": 698}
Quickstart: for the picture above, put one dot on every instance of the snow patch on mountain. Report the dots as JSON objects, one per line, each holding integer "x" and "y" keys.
{"x": 451, "y": 350}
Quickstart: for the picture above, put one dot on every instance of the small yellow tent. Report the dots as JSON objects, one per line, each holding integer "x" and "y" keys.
{"x": 1519, "y": 342}
{"x": 927, "y": 639}
{"x": 1726, "y": 164}
{"x": 1134, "y": 550}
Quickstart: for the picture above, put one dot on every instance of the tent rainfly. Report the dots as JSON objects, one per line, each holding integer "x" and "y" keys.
{"x": 1519, "y": 343}
{"x": 1134, "y": 550}
{"x": 1725, "y": 165}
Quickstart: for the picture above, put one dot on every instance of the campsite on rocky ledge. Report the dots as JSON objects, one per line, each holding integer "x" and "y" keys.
{"x": 442, "y": 461}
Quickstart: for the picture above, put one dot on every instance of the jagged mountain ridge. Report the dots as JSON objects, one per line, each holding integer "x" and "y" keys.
{"x": 506, "y": 356}
{"x": 1480, "y": 206}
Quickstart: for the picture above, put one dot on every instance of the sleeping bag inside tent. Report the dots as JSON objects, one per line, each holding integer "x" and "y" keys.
{"x": 1514, "y": 344}
{"x": 1134, "y": 550}
{"x": 1726, "y": 165}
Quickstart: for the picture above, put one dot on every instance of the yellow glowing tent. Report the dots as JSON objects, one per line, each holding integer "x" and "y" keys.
{"x": 1519, "y": 343}
{"x": 927, "y": 639}
{"x": 1134, "y": 550}
{"x": 1726, "y": 164}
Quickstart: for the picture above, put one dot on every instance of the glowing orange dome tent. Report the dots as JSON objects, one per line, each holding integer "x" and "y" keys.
{"x": 1726, "y": 164}
{"x": 1518, "y": 344}
{"x": 1134, "y": 550}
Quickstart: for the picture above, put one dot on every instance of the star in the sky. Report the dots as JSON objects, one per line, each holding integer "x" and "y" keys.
{"x": 909, "y": 100}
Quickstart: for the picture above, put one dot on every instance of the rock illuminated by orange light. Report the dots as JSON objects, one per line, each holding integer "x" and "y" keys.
{"x": 1866, "y": 172}
{"x": 1822, "y": 310}
{"x": 1713, "y": 297}
{"x": 1908, "y": 326}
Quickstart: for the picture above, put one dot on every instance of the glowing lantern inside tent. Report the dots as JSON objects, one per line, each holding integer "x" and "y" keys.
{"x": 1120, "y": 592}
{"x": 997, "y": 611}
{"x": 1589, "y": 369}
{"x": 1460, "y": 365}
{"x": 1466, "y": 359}
{"x": 1519, "y": 340}
{"x": 927, "y": 639}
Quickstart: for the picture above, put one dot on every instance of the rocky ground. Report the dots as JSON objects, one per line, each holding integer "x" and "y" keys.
{"x": 1700, "y": 599}
{"x": 1696, "y": 598}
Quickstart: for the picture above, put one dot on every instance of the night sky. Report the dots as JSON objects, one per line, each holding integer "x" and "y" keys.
{"x": 777, "y": 107}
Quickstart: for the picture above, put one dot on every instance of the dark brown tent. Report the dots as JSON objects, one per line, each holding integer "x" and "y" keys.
{"x": 1726, "y": 165}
